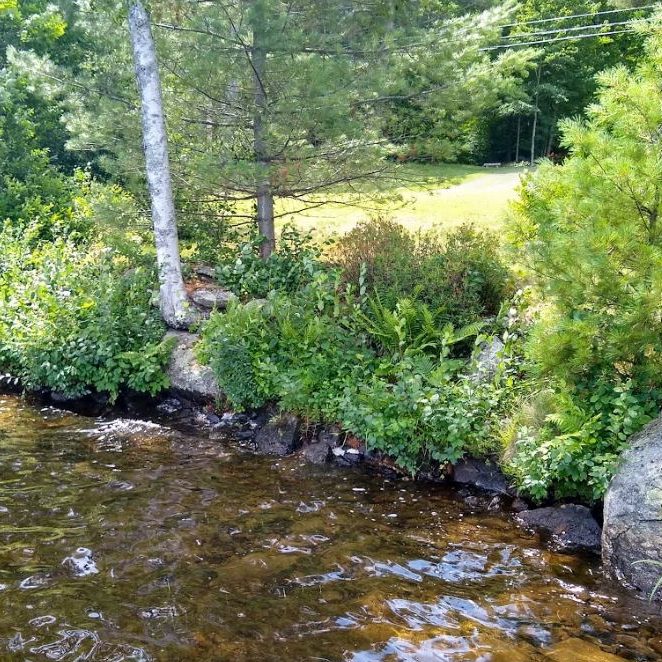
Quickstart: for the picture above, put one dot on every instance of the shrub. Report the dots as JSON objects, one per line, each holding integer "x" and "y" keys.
{"x": 573, "y": 450}
{"x": 293, "y": 266}
{"x": 294, "y": 349}
{"x": 317, "y": 353}
{"x": 419, "y": 412}
{"x": 460, "y": 277}
{"x": 73, "y": 318}
{"x": 589, "y": 231}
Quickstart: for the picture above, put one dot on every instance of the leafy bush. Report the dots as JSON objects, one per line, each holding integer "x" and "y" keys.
{"x": 293, "y": 349}
{"x": 72, "y": 320}
{"x": 294, "y": 265}
{"x": 320, "y": 354}
{"x": 573, "y": 451}
{"x": 589, "y": 231}
{"x": 460, "y": 277}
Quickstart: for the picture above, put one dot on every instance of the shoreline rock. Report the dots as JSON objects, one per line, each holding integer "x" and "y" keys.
{"x": 569, "y": 528}
{"x": 632, "y": 530}
{"x": 188, "y": 377}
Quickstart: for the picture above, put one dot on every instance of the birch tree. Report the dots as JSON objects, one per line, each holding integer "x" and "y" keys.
{"x": 173, "y": 299}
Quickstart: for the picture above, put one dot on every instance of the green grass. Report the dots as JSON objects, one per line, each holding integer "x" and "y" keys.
{"x": 423, "y": 196}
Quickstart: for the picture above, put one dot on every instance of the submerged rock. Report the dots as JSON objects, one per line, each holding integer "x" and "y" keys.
{"x": 633, "y": 513}
{"x": 321, "y": 450}
{"x": 186, "y": 375}
{"x": 569, "y": 528}
{"x": 580, "y": 650}
{"x": 280, "y": 435}
{"x": 478, "y": 473}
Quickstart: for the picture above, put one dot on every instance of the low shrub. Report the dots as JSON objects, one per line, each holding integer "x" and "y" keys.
{"x": 570, "y": 447}
{"x": 460, "y": 277}
{"x": 293, "y": 266}
{"x": 296, "y": 349}
{"x": 74, "y": 318}
{"x": 320, "y": 354}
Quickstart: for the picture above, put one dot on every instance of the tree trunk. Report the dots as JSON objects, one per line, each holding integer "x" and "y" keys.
{"x": 517, "y": 140}
{"x": 263, "y": 190}
{"x": 535, "y": 121}
{"x": 550, "y": 139}
{"x": 173, "y": 300}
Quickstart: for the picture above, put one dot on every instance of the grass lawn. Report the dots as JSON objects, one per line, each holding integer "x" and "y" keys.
{"x": 424, "y": 196}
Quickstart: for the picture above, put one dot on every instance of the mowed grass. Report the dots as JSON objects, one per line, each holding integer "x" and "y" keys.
{"x": 422, "y": 196}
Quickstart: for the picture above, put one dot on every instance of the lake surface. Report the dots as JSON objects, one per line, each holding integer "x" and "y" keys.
{"x": 124, "y": 540}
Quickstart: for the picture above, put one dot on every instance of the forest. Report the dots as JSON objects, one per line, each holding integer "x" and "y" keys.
{"x": 274, "y": 108}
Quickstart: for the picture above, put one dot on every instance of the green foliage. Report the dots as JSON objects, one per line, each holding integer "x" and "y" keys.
{"x": 74, "y": 318}
{"x": 589, "y": 231}
{"x": 573, "y": 451}
{"x": 294, "y": 265}
{"x": 292, "y": 349}
{"x": 387, "y": 376}
{"x": 460, "y": 277}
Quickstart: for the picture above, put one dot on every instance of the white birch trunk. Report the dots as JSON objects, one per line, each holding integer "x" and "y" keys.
{"x": 173, "y": 300}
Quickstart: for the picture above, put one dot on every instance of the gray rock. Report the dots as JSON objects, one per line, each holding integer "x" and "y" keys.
{"x": 632, "y": 528}
{"x": 280, "y": 436}
{"x": 478, "y": 473}
{"x": 318, "y": 452}
{"x": 487, "y": 360}
{"x": 187, "y": 376}
{"x": 205, "y": 270}
{"x": 518, "y": 505}
{"x": 212, "y": 297}
{"x": 63, "y": 398}
{"x": 569, "y": 528}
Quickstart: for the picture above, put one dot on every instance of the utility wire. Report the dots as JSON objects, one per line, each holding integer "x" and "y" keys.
{"x": 526, "y": 35}
{"x": 549, "y": 41}
{"x": 563, "y": 18}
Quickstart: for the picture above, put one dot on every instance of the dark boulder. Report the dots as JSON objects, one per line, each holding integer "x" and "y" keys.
{"x": 318, "y": 452}
{"x": 569, "y": 528}
{"x": 632, "y": 528}
{"x": 478, "y": 473}
{"x": 280, "y": 435}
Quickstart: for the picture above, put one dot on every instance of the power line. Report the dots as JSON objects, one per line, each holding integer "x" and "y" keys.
{"x": 563, "y": 18}
{"x": 526, "y": 35}
{"x": 549, "y": 41}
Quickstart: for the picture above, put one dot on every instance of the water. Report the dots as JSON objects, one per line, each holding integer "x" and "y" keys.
{"x": 122, "y": 540}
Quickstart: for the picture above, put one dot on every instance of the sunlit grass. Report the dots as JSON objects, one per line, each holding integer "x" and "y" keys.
{"x": 427, "y": 195}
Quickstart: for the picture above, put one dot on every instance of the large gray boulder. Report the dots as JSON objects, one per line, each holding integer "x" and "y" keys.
{"x": 187, "y": 376}
{"x": 632, "y": 529}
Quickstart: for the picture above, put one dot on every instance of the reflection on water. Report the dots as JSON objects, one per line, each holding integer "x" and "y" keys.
{"x": 123, "y": 540}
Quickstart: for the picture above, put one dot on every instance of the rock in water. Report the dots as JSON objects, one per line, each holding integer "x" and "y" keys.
{"x": 280, "y": 436}
{"x": 632, "y": 528}
{"x": 568, "y": 528}
{"x": 187, "y": 376}
{"x": 317, "y": 453}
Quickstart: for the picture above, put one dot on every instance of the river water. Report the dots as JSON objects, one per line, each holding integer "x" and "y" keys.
{"x": 123, "y": 540}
